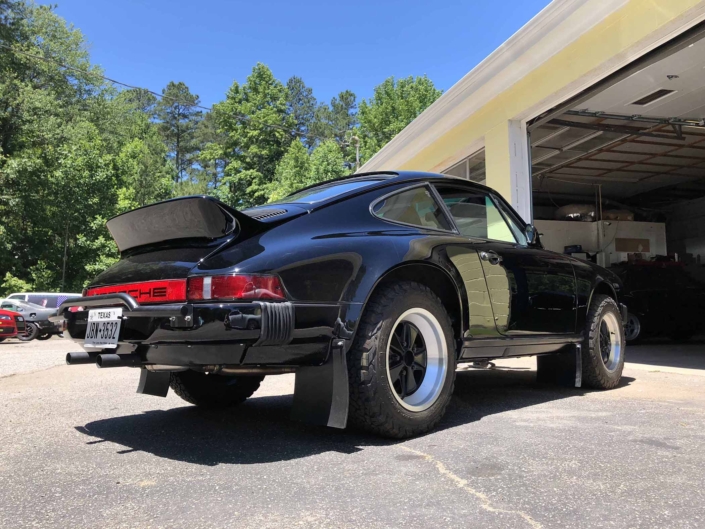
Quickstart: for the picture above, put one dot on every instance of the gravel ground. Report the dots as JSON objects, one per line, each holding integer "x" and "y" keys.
{"x": 78, "y": 448}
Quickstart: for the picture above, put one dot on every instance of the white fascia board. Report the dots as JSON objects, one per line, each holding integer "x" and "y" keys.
{"x": 537, "y": 41}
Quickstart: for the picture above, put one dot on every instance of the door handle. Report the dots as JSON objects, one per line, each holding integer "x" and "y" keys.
{"x": 491, "y": 257}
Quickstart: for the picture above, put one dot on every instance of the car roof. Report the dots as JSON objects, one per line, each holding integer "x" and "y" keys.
{"x": 383, "y": 178}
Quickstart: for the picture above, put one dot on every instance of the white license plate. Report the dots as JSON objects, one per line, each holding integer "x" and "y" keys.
{"x": 103, "y": 328}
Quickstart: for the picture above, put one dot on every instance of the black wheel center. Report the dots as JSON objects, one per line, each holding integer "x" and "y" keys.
{"x": 407, "y": 359}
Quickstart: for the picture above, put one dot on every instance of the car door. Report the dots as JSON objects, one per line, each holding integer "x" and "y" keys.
{"x": 532, "y": 291}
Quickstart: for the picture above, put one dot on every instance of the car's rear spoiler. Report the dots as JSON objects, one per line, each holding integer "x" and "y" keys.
{"x": 195, "y": 217}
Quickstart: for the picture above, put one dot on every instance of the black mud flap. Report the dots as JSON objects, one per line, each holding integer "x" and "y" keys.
{"x": 321, "y": 392}
{"x": 563, "y": 369}
{"x": 154, "y": 383}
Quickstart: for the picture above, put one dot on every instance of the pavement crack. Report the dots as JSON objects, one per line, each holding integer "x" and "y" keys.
{"x": 485, "y": 502}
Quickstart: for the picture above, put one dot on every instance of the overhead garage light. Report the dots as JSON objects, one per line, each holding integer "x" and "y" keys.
{"x": 653, "y": 97}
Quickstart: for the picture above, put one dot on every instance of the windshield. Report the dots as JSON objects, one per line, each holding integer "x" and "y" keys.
{"x": 324, "y": 192}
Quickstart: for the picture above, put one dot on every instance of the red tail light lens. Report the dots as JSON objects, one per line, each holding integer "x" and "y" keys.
{"x": 242, "y": 286}
{"x": 170, "y": 290}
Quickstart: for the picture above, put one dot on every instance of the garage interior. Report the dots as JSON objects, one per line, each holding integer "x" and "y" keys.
{"x": 619, "y": 179}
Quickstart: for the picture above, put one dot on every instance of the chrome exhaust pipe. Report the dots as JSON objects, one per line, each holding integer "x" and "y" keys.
{"x": 74, "y": 359}
{"x": 115, "y": 360}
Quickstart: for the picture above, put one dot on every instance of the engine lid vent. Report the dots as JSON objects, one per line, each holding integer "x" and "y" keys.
{"x": 265, "y": 213}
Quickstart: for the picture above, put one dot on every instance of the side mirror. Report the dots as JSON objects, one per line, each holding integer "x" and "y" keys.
{"x": 532, "y": 235}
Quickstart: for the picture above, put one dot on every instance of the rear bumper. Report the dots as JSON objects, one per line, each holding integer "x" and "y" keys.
{"x": 186, "y": 334}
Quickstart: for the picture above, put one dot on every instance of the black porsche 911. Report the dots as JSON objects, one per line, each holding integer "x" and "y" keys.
{"x": 371, "y": 288}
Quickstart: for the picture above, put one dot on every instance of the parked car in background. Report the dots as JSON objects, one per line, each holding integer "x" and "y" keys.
{"x": 664, "y": 299}
{"x": 36, "y": 319}
{"x": 370, "y": 288}
{"x": 47, "y": 300}
{"x": 11, "y": 323}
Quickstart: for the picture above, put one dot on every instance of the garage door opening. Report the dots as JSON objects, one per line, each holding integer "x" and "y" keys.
{"x": 619, "y": 179}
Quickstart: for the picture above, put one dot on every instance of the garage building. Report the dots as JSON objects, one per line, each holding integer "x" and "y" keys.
{"x": 593, "y": 111}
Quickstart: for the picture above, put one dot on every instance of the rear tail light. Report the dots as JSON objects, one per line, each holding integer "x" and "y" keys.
{"x": 75, "y": 309}
{"x": 166, "y": 291}
{"x": 240, "y": 286}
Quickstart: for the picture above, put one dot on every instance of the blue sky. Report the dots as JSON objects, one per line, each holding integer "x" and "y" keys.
{"x": 332, "y": 45}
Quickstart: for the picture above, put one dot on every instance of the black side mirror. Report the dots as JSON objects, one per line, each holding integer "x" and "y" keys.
{"x": 532, "y": 235}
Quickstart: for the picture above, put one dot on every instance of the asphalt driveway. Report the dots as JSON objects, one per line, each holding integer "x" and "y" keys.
{"x": 78, "y": 448}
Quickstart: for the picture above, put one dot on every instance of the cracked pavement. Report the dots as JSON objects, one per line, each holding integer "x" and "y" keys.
{"x": 79, "y": 448}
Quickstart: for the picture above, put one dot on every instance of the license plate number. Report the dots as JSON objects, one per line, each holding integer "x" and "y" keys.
{"x": 103, "y": 328}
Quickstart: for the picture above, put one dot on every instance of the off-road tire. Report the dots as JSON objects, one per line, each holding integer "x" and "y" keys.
{"x": 595, "y": 374}
{"x": 213, "y": 391}
{"x": 30, "y": 333}
{"x": 373, "y": 406}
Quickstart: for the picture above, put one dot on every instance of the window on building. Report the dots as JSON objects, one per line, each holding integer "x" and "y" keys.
{"x": 414, "y": 206}
{"x": 471, "y": 168}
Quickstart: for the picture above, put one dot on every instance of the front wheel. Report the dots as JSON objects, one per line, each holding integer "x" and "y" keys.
{"x": 30, "y": 332}
{"x": 213, "y": 391}
{"x": 401, "y": 366}
{"x": 603, "y": 350}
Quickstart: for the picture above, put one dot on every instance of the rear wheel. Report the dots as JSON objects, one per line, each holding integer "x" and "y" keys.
{"x": 401, "y": 367}
{"x": 213, "y": 391}
{"x": 30, "y": 332}
{"x": 603, "y": 350}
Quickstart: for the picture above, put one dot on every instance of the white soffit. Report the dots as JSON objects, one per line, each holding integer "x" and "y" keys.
{"x": 551, "y": 30}
{"x": 687, "y": 100}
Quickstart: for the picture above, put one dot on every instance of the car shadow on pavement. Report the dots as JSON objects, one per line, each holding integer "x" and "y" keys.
{"x": 259, "y": 431}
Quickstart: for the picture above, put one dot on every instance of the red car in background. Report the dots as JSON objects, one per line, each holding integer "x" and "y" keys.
{"x": 11, "y": 324}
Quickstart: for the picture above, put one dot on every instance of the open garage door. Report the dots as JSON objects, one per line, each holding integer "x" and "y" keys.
{"x": 619, "y": 178}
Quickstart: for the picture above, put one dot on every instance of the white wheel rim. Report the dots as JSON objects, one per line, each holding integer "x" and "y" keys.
{"x": 431, "y": 386}
{"x": 610, "y": 341}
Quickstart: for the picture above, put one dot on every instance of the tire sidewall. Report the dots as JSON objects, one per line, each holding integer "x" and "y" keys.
{"x": 390, "y": 316}
{"x": 610, "y": 378}
{"x": 27, "y": 337}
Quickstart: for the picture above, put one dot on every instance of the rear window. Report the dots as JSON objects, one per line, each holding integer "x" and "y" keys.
{"x": 324, "y": 192}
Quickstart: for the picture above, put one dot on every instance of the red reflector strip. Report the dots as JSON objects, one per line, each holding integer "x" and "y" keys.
{"x": 240, "y": 286}
{"x": 169, "y": 290}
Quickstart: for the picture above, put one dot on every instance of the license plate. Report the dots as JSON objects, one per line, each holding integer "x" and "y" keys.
{"x": 103, "y": 328}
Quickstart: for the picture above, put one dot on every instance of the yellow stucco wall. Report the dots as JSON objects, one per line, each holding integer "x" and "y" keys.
{"x": 614, "y": 35}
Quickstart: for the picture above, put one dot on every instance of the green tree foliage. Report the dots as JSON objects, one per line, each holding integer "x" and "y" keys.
{"x": 299, "y": 169}
{"x": 301, "y": 105}
{"x": 75, "y": 150}
{"x": 394, "y": 105}
{"x": 292, "y": 173}
{"x": 72, "y": 155}
{"x": 327, "y": 162}
{"x": 256, "y": 118}
{"x": 178, "y": 120}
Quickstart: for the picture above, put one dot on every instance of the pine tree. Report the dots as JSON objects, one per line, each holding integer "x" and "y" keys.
{"x": 178, "y": 118}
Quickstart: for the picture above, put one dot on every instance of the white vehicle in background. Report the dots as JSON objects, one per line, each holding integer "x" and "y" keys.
{"x": 48, "y": 300}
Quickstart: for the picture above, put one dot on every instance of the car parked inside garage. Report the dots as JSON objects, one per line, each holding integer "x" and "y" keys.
{"x": 665, "y": 298}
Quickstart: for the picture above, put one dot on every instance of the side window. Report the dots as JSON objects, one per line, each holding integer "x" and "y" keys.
{"x": 414, "y": 206}
{"x": 476, "y": 215}
{"x": 517, "y": 229}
